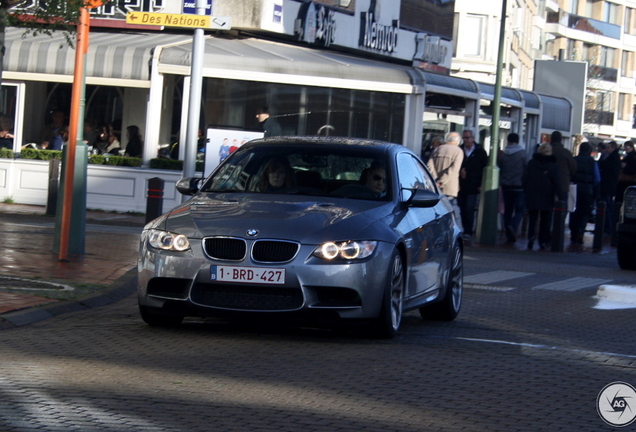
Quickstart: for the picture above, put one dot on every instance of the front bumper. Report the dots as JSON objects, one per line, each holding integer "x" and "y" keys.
{"x": 181, "y": 284}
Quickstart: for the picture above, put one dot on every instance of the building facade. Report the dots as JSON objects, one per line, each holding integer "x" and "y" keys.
{"x": 598, "y": 33}
{"x": 360, "y": 68}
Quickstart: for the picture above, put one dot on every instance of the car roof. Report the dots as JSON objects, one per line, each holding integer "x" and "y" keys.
{"x": 291, "y": 141}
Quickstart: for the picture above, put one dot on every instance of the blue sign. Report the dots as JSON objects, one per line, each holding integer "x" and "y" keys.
{"x": 190, "y": 7}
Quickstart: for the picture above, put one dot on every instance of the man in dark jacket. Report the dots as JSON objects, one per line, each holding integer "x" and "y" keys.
{"x": 566, "y": 163}
{"x": 541, "y": 184}
{"x": 512, "y": 163}
{"x": 587, "y": 177}
{"x": 268, "y": 124}
{"x": 610, "y": 168}
{"x": 475, "y": 160}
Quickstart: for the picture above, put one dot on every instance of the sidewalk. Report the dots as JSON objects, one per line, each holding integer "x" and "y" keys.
{"x": 35, "y": 284}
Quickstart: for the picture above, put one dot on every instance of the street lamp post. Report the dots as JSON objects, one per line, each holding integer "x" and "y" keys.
{"x": 489, "y": 202}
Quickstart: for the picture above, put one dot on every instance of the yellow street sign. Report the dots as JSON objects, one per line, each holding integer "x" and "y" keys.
{"x": 168, "y": 20}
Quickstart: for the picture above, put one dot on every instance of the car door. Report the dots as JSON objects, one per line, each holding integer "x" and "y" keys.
{"x": 420, "y": 227}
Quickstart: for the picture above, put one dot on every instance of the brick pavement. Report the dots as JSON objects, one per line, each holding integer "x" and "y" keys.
{"x": 28, "y": 237}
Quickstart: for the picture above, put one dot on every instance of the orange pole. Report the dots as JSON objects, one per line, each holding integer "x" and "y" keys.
{"x": 69, "y": 172}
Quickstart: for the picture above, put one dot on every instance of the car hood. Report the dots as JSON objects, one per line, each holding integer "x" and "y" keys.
{"x": 298, "y": 218}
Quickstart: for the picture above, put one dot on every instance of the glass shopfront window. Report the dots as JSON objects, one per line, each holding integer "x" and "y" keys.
{"x": 8, "y": 99}
{"x": 304, "y": 110}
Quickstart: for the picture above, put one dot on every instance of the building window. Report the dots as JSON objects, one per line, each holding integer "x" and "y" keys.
{"x": 586, "y": 54}
{"x": 574, "y": 7}
{"x": 571, "y": 50}
{"x": 622, "y": 104}
{"x": 472, "y": 35}
{"x": 610, "y": 13}
{"x": 604, "y": 101}
{"x": 626, "y": 69}
{"x": 589, "y": 8}
{"x": 606, "y": 58}
{"x": 630, "y": 21}
{"x": 455, "y": 33}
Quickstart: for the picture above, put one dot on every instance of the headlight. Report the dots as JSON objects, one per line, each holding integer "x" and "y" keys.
{"x": 349, "y": 250}
{"x": 168, "y": 241}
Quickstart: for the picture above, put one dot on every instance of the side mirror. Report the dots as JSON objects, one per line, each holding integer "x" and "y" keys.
{"x": 423, "y": 198}
{"x": 189, "y": 185}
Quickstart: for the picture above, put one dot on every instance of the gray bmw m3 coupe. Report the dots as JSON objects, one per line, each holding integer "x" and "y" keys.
{"x": 335, "y": 230}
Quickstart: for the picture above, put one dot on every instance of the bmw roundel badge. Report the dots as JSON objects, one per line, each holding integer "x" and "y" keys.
{"x": 252, "y": 232}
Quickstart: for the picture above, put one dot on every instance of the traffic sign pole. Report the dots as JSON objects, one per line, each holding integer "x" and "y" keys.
{"x": 194, "y": 104}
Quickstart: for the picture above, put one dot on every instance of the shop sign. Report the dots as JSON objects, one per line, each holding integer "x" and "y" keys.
{"x": 432, "y": 53}
{"x": 190, "y": 7}
{"x": 315, "y": 24}
{"x": 375, "y": 35}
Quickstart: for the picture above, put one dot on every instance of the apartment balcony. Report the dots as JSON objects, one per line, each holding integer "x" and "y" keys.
{"x": 602, "y": 73}
{"x": 598, "y": 117}
{"x": 585, "y": 24}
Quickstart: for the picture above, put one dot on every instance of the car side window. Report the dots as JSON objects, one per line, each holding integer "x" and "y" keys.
{"x": 412, "y": 174}
{"x": 429, "y": 183}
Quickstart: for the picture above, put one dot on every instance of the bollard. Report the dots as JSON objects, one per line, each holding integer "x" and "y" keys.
{"x": 54, "y": 179}
{"x": 618, "y": 206}
{"x": 599, "y": 224}
{"x": 558, "y": 226}
{"x": 154, "y": 200}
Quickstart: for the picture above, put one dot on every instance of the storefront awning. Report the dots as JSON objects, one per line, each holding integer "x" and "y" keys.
{"x": 556, "y": 113}
{"x": 113, "y": 58}
{"x": 450, "y": 85}
{"x": 531, "y": 101}
{"x": 265, "y": 61}
{"x": 509, "y": 96}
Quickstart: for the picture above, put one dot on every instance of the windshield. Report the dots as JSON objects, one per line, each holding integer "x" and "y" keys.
{"x": 358, "y": 173}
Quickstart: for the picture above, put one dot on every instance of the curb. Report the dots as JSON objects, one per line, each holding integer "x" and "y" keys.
{"x": 617, "y": 293}
{"x": 121, "y": 288}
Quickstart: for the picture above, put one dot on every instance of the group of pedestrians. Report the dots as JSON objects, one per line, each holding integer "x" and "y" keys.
{"x": 534, "y": 184}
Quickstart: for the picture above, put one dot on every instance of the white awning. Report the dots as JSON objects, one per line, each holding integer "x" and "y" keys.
{"x": 265, "y": 61}
{"x": 113, "y": 58}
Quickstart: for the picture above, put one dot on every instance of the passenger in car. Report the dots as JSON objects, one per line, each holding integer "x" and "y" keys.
{"x": 277, "y": 175}
{"x": 374, "y": 178}
{"x": 372, "y": 184}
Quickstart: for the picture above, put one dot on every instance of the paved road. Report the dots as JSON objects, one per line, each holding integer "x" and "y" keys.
{"x": 529, "y": 352}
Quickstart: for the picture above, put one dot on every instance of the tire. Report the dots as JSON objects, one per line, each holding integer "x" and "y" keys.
{"x": 626, "y": 253}
{"x": 448, "y": 308}
{"x": 388, "y": 323}
{"x": 156, "y": 319}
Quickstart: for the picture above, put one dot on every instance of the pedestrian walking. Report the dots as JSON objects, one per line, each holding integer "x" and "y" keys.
{"x": 470, "y": 175}
{"x": 586, "y": 178}
{"x": 512, "y": 163}
{"x": 610, "y": 167}
{"x": 444, "y": 165}
{"x": 541, "y": 185}
{"x": 566, "y": 163}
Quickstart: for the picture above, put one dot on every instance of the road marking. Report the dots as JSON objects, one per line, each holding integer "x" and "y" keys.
{"x": 542, "y": 346}
{"x": 495, "y": 276}
{"x": 487, "y": 287}
{"x": 572, "y": 284}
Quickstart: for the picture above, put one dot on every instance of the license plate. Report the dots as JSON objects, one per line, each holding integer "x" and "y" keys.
{"x": 255, "y": 275}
